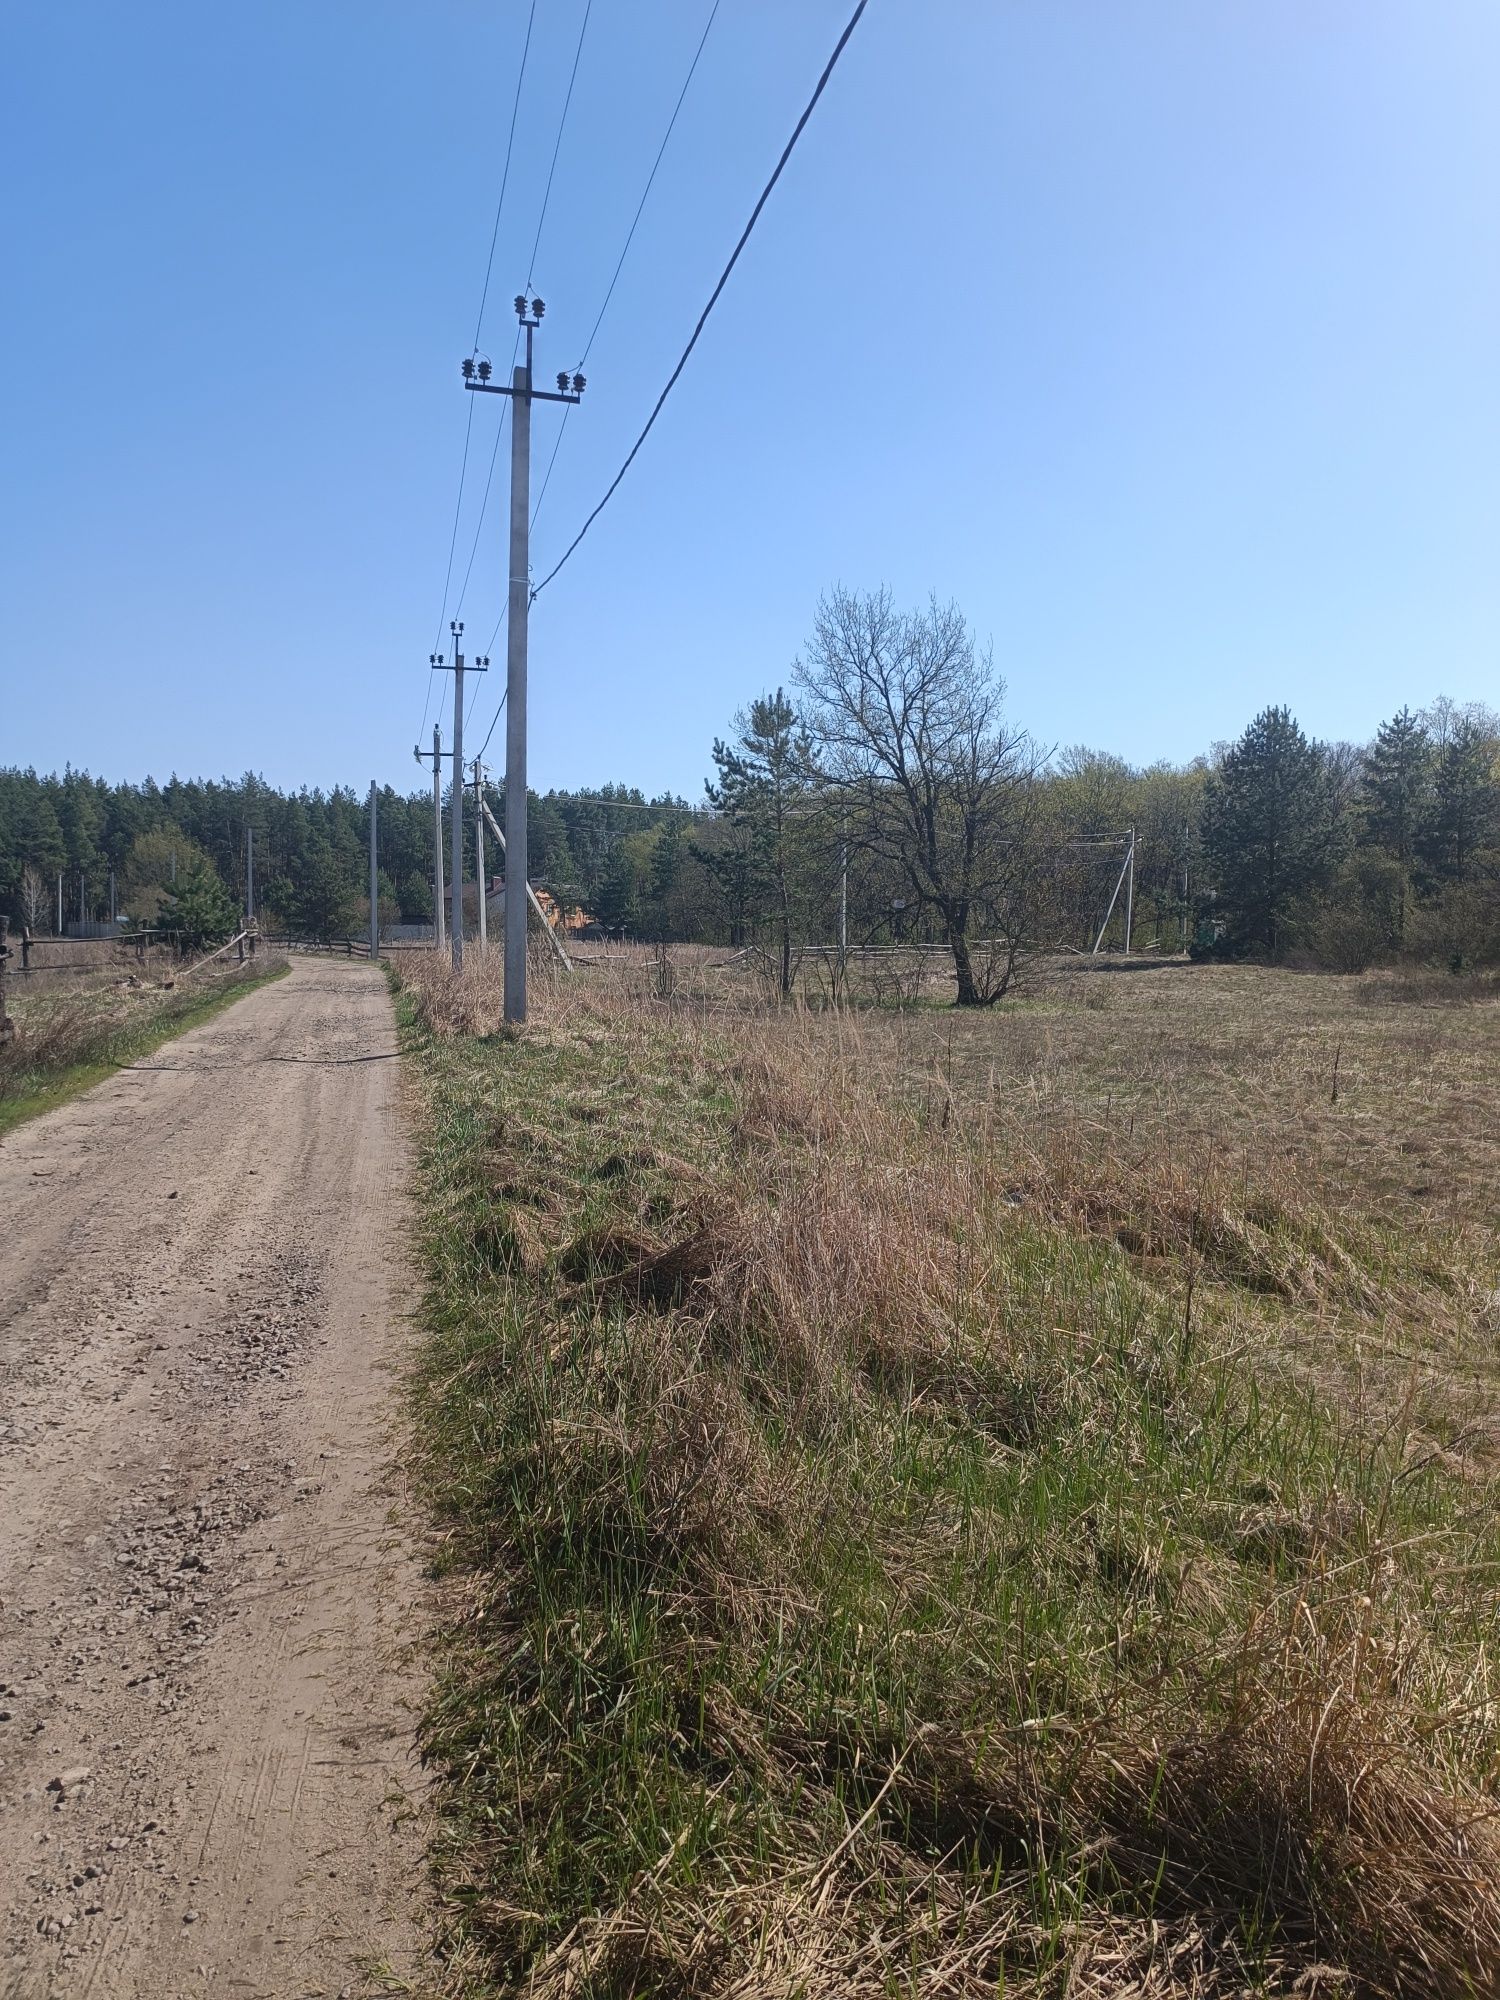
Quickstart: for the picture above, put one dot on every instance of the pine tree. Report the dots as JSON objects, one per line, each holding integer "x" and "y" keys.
{"x": 1395, "y": 797}
{"x": 763, "y": 775}
{"x": 1269, "y": 831}
{"x": 1463, "y": 815}
{"x": 1397, "y": 785}
{"x": 202, "y": 912}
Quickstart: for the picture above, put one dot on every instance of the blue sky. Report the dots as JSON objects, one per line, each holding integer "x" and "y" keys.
{"x": 1161, "y": 334}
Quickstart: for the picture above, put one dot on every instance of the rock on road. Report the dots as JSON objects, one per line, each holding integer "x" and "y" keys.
{"x": 207, "y": 1600}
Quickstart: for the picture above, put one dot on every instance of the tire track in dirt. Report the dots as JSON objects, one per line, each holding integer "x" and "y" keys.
{"x": 207, "y": 1601}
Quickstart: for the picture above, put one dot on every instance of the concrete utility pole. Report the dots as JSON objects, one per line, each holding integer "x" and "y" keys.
{"x": 59, "y": 903}
{"x": 436, "y": 754}
{"x": 249, "y": 876}
{"x": 1130, "y": 891}
{"x": 479, "y": 875}
{"x": 456, "y": 801}
{"x": 1127, "y": 868}
{"x": 456, "y": 807}
{"x": 541, "y": 915}
{"x": 570, "y": 389}
{"x": 374, "y": 883}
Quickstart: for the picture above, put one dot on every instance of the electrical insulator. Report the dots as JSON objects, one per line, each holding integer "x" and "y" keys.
{"x": 485, "y": 371}
{"x": 520, "y": 305}
{"x": 580, "y": 383}
{"x": 537, "y": 308}
{"x": 468, "y": 370}
{"x": 562, "y": 380}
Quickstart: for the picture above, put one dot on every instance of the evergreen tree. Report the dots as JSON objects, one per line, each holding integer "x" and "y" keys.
{"x": 1395, "y": 794}
{"x": 202, "y": 912}
{"x": 325, "y": 901}
{"x": 1397, "y": 785}
{"x": 1269, "y": 830}
{"x": 764, "y": 776}
{"x": 1463, "y": 815}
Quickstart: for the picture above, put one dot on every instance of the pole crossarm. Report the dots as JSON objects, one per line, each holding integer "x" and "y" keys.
{"x": 533, "y": 395}
{"x": 521, "y": 388}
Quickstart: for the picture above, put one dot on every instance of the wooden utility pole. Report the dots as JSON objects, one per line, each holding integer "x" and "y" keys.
{"x": 570, "y": 389}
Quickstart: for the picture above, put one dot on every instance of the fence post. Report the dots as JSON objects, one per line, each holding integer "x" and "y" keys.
{"x": 26, "y": 949}
{"x": 7, "y": 1025}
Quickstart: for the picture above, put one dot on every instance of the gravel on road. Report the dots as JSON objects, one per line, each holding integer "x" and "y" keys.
{"x": 209, "y": 1599}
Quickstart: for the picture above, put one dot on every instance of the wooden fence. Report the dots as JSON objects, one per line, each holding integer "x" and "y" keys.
{"x": 347, "y": 947}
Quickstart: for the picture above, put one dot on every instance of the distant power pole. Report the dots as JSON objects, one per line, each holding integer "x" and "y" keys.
{"x": 436, "y": 754}
{"x": 59, "y": 903}
{"x": 249, "y": 875}
{"x": 570, "y": 389}
{"x": 456, "y": 800}
{"x": 374, "y": 883}
{"x": 479, "y": 874}
{"x": 1130, "y": 891}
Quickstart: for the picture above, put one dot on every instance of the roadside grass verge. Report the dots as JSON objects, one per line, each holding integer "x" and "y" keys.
{"x": 69, "y": 1042}
{"x": 885, "y": 1551}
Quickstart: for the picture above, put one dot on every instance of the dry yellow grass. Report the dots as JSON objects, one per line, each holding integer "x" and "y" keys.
{"x": 930, "y": 1517}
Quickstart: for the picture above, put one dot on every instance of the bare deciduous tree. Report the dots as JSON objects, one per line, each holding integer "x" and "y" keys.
{"x": 34, "y": 898}
{"x": 905, "y": 716}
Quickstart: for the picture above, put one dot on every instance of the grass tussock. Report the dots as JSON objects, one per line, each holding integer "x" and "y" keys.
{"x": 884, "y": 1554}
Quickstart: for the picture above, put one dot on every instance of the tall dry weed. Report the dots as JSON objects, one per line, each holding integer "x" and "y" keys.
{"x": 901, "y": 1574}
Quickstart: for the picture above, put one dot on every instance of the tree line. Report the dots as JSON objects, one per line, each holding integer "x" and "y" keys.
{"x": 879, "y": 796}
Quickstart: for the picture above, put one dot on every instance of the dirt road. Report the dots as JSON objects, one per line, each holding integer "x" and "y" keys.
{"x": 205, "y": 1592}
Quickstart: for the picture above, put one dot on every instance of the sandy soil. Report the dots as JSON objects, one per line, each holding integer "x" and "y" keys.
{"x": 207, "y": 1601}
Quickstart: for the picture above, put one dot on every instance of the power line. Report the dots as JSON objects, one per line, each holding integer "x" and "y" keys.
{"x": 448, "y": 573}
{"x": 625, "y": 251}
{"x": 557, "y": 147}
{"x": 640, "y": 209}
{"x": 786, "y": 154}
{"x": 505, "y": 175}
{"x": 650, "y": 178}
{"x": 541, "y": 219}
{"x": 493, "y": 719}
{"x": 478, "y": 324}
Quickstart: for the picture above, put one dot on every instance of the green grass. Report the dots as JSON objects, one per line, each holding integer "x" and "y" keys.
{"x": 861, "y": 1578}
{"x": 105, "y": 1038}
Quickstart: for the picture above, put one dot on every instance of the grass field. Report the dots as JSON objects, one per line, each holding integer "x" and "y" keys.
{"x": 74, "y": 1029}
{"x": 950, "y": 1504}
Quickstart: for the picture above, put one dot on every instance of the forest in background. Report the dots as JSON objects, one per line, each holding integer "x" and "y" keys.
{"x": 936, "y": 824}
